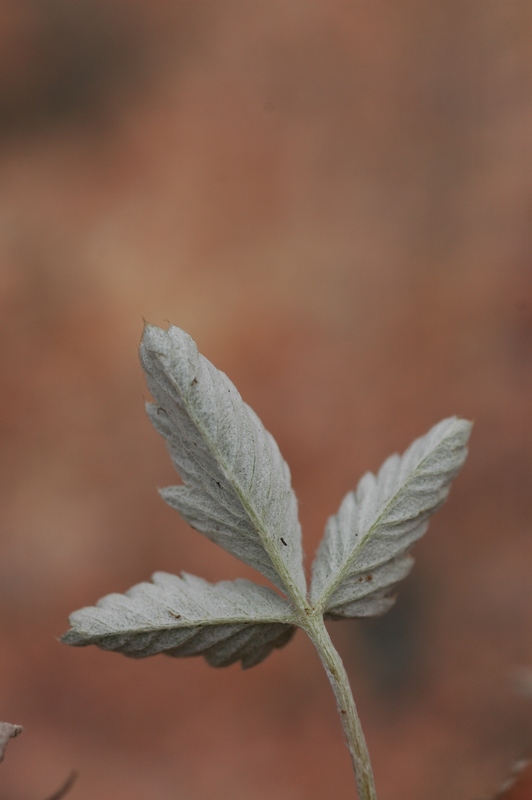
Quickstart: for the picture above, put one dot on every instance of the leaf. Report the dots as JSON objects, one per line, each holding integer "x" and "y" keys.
{"x": 363, "y": 551}
{"x": 237, "y": 486}
{"x": 7, "y": 732}
{"x": 224, "y": 622}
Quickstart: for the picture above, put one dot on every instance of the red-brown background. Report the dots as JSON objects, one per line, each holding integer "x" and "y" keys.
{"x": 334, "y": 199}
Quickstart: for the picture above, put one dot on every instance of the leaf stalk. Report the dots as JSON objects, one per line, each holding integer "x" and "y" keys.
{"x": 315, "y": 627}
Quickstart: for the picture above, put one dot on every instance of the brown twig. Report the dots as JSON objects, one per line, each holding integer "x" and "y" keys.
{"x": 66, "y": 787}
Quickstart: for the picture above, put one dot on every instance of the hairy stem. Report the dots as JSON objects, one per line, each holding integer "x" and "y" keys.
{"x": 319, "y": 635}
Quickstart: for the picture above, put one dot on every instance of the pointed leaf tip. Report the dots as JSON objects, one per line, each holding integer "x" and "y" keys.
{"x": 364, "y": 549}
{"x": 8, "y": 732}
{"x": 237, "y": 487}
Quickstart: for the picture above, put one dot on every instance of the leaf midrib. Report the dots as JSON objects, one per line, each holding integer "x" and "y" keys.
{"x": 290, "y": 586}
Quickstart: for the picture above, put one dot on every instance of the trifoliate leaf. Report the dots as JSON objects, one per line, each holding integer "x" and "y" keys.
{"x": 236, "y": 484}
{"x": 363, "y": 551}
{"x": 224, "y": 622}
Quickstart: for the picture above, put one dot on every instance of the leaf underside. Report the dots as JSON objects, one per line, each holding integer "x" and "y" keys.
{"x": 236, "y": 490}
{"x": 364, "y": 550}
{"x": 8, "y": 732}
{"x": 186, "y": 616}
{"x": 237, "y": 487}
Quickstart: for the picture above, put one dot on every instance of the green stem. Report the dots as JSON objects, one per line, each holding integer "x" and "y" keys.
{"x": 319, "y": 635}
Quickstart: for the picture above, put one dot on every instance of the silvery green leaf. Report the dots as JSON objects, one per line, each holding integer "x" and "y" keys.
{"x": 364, "y": 549}
{"x": 7, "y": 732}
{"x": 236, "y": 484}
{"x": 187, "y": 616}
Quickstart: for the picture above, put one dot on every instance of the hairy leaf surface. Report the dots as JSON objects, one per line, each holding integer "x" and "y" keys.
{"x": 8, "y": 732}
{"x": 187, "y": 616}
{"x": 364, "y": 549}
{"x": 237, "y": 487}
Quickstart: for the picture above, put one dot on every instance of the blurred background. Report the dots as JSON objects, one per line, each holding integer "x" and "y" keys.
{"x": 334, "y": 199}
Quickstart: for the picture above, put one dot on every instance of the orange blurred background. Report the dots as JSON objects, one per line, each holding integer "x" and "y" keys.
{"x": 334, "y": 199}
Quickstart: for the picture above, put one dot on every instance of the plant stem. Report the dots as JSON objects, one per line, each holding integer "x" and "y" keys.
{"x": 319, "y": 635}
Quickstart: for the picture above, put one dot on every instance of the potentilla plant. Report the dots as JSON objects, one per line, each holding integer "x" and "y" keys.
{"x": 236, "y": 490}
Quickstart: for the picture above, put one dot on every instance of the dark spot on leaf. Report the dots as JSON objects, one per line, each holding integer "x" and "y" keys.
{"x": 194, "y": 381}
{"x": 369, "y": 578}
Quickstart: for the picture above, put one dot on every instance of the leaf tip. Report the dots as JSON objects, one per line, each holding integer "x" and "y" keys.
{"x": 7, "y": 732}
